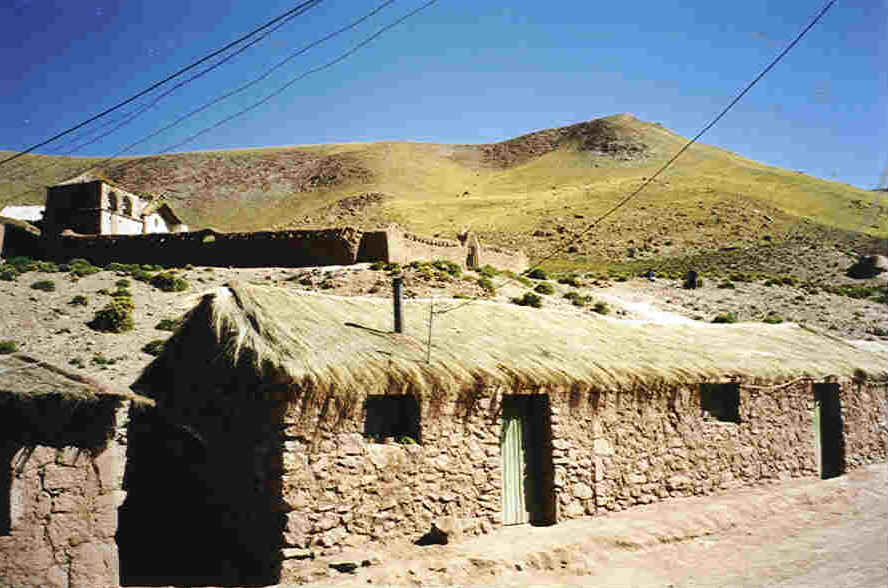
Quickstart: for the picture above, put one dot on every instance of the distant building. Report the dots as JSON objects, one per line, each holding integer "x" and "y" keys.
{"x": 99, "y": 208}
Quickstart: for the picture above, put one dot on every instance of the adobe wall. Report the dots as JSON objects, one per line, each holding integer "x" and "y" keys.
{"x": 260, "y": 249}
{"x": 64, "y": 515}
{"x": 865, "y": 419}
{"x": 403, "y": 247}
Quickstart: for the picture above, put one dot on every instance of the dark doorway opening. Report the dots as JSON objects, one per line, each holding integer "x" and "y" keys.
{"x": 392, "y": 416}
{"x": 171, "y": 530}
{"x": 528, "y": 471}
{"x": 829, "y": 430}
{"x": 6, "y": 454}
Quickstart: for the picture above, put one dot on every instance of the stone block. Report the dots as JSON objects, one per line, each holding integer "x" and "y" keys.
{"x": 582, "y": 491}
{"x": 602, "y": 447}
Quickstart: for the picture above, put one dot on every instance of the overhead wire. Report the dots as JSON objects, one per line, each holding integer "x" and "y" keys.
{"x": 687, "y": 145}
{"x": 308, "y": 3}
{"x": 251, "y": 83}
{"x": 130, "y": 117}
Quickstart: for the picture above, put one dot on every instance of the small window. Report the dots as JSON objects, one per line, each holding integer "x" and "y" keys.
{"x": 720, "y": 402}
{"x": 127, "y": 206}
{"x": 112, "y": 201}
{"x": 392, "y": 416}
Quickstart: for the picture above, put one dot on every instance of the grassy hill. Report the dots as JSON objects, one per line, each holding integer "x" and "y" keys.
{"x": 538, "y": 192}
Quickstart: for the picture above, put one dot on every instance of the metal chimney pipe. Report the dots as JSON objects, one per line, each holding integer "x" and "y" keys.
{"x": 396, "y": 295}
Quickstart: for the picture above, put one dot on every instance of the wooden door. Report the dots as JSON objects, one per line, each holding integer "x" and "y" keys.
{"x": 512, "y": 452}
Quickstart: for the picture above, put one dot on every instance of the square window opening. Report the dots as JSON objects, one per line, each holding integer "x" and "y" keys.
{"x": 720, "y": 402}
{"x": 396, "y": 417}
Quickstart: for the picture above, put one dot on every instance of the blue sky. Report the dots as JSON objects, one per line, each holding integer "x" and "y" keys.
{"x": 462, "y": 71}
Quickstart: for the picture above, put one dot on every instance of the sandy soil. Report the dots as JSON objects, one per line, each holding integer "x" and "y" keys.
{"x": 46, "y": 325}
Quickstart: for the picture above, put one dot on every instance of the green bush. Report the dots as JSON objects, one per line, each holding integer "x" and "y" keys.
{"x": 76, "y": 362}
{"x": 377, "y": 266}
{"x": 578, "y": 299}
{"x": 122, "y": 292}
{"x": 487, "y": 285}
{"x": 100, "y": 359}
{"x": 22, "y": 264}
{"x": 47, "y": 267}
{"x": 529, "y": 299}
{"x": 124, "y": 283}
{"x": 8, "y": 273}
{"x": 537, "y": 274}
{"x": 115, "y": 317}
{"x": 79, "y": 300}
{"x": 488, "y": 271}
{"x": 8, "y": 346}
{"x": 544, "y": 288}
{"x": 141, "y": 275}
{"x": 168, "y": 282}
{"x": 45, "y": 285}
{"x": 520, "y": 279}
{"x": 168, "y": 324}
{"x": 81, "y": 267}
{"x": 725, "y": 318}
{"x": 454, "y": 269}
{"x": 154, "y": 347}
{"x": 601, "y": 308}
{"x": 149, "y": 267}
{"x": 570, "y": 281}
{"x": 773, "y": 319}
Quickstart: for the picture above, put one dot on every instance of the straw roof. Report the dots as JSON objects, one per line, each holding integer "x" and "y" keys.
{"x": 24, "y": 378}
{"x": 346, "y": 344}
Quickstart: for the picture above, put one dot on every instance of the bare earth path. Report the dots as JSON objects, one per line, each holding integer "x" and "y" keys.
{"x": 796, "y": 534}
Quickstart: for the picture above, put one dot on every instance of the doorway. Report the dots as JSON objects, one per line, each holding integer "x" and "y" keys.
{"x": 828, "y": 431}
{"x": 528, "y": 489}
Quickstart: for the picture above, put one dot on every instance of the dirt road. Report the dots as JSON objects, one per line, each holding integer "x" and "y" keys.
{"x": 800, "y": 533}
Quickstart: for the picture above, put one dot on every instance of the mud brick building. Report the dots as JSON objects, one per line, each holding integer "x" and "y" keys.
{"x": 291, "y": 426}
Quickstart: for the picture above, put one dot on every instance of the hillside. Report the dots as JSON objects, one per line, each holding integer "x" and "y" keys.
{"x": 537, "y": 192}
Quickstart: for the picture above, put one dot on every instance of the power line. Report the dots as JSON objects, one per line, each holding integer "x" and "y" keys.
{"x": 130, "y": 117}
{"x": 304, "y": 5}
{"x": 663, "y": 168}
{"x": 253, "y": 82}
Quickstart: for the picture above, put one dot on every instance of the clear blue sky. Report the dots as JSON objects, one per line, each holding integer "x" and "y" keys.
{"x": 465, "y": 71}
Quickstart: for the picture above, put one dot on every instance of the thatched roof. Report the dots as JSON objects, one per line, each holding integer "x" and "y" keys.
{"x": 344, "y": 344}
{"x": 24, "y": 378}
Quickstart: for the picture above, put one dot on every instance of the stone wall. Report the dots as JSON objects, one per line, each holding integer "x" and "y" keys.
{"x": 260, "y": 249}
{"x": 64, "y": 515}
{"x": 865, "y": 419}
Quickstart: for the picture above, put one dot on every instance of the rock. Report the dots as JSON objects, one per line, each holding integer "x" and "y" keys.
{"x": 602, "y": 447}
{"x": 582, "y": 491}
{"x": 292, "y": 553}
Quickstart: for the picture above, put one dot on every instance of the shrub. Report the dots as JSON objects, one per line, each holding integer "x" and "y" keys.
{"x": 79, "y": 300}
{"x": 520, "y": 279}
{"x": 100, "y": 359}
{"x": 8, "y": 273}
{"x": 601, "y": 308}
{"x": 377, "y": 266}
{"x": 122, "y": 292}
{"x": 22, "y": 264}
{"x": 537, "y": 274}
{"x": 8, "y": 346}
{"x": 76, "y": 362}
{"x": 168, "y": 324}
{"x": 487, "y": 270}
{"x": 141, "y": 275}
{"x": 122, "y": 283}
{"x": 81, "y": 267}
{"x": 149, "y": 267}
{"x": 115, "y": 317}
{"x": 47, "y": 267}
{"x": 45, "y": 285}
{"x": 578, "y": 299}
{"x": 529, "y": 299}
{"x": 487, "y": 285}
{"x": 570, "y": 281}
{"x": 725, "y": 318}
{"x": 454, "y": 269}
{"x": 773, "y": 319}
{"x": 154, "y": 347}
{"x": 168, "y": 282}
{"x": 544, "y": 288}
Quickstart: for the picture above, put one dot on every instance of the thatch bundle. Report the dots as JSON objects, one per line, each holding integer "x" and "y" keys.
{"x": 41, "y": 404}
{"x": 345, "y": 346}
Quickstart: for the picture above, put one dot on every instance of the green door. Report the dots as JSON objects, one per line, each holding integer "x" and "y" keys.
{"x": 513, "y": 463}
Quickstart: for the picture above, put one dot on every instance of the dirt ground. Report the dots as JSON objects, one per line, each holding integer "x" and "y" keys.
{"x": 798, "y": 533}
{"x": 45, "y": 324}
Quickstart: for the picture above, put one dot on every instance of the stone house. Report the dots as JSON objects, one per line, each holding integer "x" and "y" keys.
{"x": 62, "y": 454}
{"x": 291, "y": 427}
{"x": 97, "y": 207}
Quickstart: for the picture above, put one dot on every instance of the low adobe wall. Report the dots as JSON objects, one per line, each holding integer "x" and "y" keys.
{"x": 209, "y": 248}
{"x": 17, "y": 241}
{"x": 64, "y": 514}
